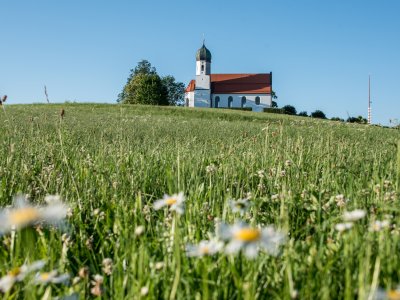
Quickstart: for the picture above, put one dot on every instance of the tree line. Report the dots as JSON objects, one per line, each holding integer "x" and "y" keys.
{"x": 291, "y": 110}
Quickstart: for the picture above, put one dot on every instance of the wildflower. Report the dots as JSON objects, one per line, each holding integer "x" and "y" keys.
{"x": 107, "y": 266}
{"x": 249, "y": 195}
{"x": 97, "y": 281}
{"x": 70, "y": 212}
{"x": 239, "y": 206}
{"x": 240, "y": 235}
{"x": 83, "y": 272}
{"x": 283, "y": 173}
{"x": 355, "y": 215}
{"x": 66, "y": 239}
{"x": 19, "y": 274}
{"x": 340, "y": 200}
{"x": 261, "y": 173}
{"x": 89, "y": 242}
{"x": 139, "y": 230}
{"x": 144, "y": 291}
{"x": 23, "y": 214}
{"x": 379, "y": 225}
{"x": 261, "y": 186}
{"x": 393, "y": 294}
{"x": 387, "y": 183}
{"x": 175, "y": 203}
{"x": 204, "y": 248}
{"x": 51, "y": 277}
{"x": 159, "y": 265}
{"x": 343, "y": 226}
{"x": 288, "y": 163}
{"x": 211, "y": 169}
{"x": 389, "y": 196}
{"x": 275, "y": 197}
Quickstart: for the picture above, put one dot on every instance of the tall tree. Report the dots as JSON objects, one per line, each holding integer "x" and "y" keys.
{"x": 318, "y": 114}
{"x": 145, "y": 86}
{"x": 145, "y": 89}
{"x": 289, "y": 110}
{"x": 175, "y": 90}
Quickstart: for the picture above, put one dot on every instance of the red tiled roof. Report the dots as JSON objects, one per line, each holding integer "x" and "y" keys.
{"x": 191, "y": 86}
{"x": 237, "y": 84}
{"x": 241, "y": 83}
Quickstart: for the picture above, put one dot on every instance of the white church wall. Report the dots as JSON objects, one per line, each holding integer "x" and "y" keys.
{"x": 202, "y": 98}
{"x": 189, "y": 99}
{"x": 203, "y": 82}
{"x": 265, "y": 100}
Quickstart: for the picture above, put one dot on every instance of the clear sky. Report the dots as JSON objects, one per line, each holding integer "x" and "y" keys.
{"x": 320, "y": 52}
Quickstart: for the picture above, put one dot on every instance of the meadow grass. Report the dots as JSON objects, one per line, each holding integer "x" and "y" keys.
{"x": 109, "y": 163}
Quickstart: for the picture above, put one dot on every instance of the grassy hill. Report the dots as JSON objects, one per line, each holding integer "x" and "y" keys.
{"x": 109, "y": 163}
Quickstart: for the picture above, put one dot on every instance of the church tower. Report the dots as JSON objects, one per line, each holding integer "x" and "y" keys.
{"x": 202, "y": 95}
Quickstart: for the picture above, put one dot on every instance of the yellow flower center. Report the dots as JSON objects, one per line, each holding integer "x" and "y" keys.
{"x": 247, "y": 235}
{"x": 45, "y": 276}
{"x": 15, "y": 272}
{"x": 24, "y": 215}
{"x": 170, "y": 201}
{"x": 393, "y": 295}
{"x": 205, "y": 250}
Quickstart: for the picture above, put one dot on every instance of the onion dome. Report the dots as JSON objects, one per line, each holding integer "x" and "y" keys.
{"x": 203, "y": 54}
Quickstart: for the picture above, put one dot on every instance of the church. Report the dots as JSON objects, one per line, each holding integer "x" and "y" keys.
{"x": 227, "y": 90}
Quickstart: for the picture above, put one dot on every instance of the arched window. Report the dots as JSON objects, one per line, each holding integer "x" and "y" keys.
{"x": 187, "y": 101}
{"x": 257, "y": 100}
{"x": 202, "y": 68}
{"x": 243, "y": 101}
{"x": 217, "y": 101}
{"x": 230, "y": 100}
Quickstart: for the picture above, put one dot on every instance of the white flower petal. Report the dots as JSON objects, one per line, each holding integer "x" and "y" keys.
{"x": 6, "y": 283}
{"x": 234, "y": 246}
{"x": 159, "y": 204}
{"x": 251, "y": 250}
{"x": 355, "y": 215}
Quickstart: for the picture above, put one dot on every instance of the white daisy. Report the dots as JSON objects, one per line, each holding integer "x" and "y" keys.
{"x": 379, "y": 225}
{"x": 355, "y": 215}
{"x": 239, "y": 206}
{"x": 19, "y": 274}
{"x": 51, "y": 277}
{"x": 175, "y": 203}
{"x": 241, "y": 235}
{"x": 343, "y": 226}
{"x": 24, "y": 214}
{"x": 210, "y": 247}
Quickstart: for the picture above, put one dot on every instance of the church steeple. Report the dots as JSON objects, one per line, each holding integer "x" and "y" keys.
{"x": 203, "y": 61}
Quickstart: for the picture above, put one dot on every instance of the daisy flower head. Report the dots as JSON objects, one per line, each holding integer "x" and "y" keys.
{"x": 379, "y": 225}
{"x": 51, "y": 277}
{"x": 210, "y": 247}
{"x": 239, "y": 206}
{"x": 23, "y": 214}
{"x": 241, "y": 236}
{"x": 355, "y": 215}
{"x": 19, "y": 274}
{"x": 175, "y": 203}
{"x": 343, "y": 226}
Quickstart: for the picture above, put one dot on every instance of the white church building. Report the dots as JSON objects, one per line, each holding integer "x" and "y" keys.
{"x": 227, "y": 90}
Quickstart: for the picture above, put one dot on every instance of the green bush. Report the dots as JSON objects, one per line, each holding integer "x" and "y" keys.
{"x": 238, "y": 108}
{"x": 274, "y": 110}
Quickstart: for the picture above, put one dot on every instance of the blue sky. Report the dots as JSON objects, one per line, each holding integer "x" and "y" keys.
{"x": 320, "y": 52}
